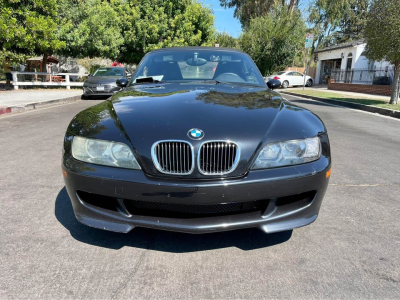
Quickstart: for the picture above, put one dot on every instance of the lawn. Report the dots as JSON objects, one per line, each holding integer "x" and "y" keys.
{"x": 360, "y": 100}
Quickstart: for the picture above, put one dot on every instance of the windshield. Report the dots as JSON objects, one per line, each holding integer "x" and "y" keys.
{"x": 109, "y": 72}
{"x": 197, "y": 64}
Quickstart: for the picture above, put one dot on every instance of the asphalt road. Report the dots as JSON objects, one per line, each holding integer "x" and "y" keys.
{"x": 351, "y": 251}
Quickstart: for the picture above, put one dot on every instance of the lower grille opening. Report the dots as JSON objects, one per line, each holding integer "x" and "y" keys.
{"x": 188, "y": 211}
{"x": 101, "y": 201}
{"x": 302, "y": 199}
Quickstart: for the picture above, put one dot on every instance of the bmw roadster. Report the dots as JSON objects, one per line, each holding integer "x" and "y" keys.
{"x": 196, "y": 142}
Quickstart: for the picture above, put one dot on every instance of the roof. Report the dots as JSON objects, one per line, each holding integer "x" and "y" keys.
{"x": 197, "y": 48}
{"x": 341, "y": 46}
{"x": 51, "y": 59}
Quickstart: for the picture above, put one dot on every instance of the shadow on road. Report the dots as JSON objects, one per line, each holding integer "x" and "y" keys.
{"x": 245, "y": 239}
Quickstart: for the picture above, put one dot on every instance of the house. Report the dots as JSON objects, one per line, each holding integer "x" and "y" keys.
{"x": 349, "y": 60}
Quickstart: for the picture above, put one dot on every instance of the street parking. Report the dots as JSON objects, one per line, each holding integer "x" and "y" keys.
{"x": 351, "y": 251}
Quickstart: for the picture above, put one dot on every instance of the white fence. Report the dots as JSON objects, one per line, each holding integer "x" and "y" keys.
{"x": 59, "y": 79}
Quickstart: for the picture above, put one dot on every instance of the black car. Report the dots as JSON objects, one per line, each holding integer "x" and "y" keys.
{"x": 196, "y": 142}
{"x": 103, "y": 81}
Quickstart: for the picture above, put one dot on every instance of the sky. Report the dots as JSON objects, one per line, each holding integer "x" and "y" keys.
{"x": 224, "y": 20}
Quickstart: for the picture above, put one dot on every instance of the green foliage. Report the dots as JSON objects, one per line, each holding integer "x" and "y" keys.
{"x": 382, "y": 31}
{"x": 337, "y": 22}
{"x": 90, "y": 28}
{"x": 382, "y": 34}
{"x": 15, "y": 58}
{"x": 154, "y": 24}
{"x": 116, "y": 29}
{"x": 245, "y": 10}
{"x": 274, "y": 40}
{"x": 127, "y": 30}
{"x": 28, "y": 26}
{"x": 225, "y": 40}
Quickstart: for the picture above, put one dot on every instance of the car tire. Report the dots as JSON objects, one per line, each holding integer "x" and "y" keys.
{"x": 309, "y": 83}
{"x": 285, "y": 84}
{"x": 84, "y": 97}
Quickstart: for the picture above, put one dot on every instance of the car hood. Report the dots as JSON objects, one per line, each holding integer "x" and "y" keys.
{"x": 102, "y": 79}
{"x": 248, "y": 116}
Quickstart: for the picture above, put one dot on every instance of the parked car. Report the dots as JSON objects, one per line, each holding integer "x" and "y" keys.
{"x": 291, "y": 78}
{"x": 103, "y": 81}
{"x": 183, "y": 150}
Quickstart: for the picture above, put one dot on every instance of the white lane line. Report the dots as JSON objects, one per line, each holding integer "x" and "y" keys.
{"x": 352, "y": 109}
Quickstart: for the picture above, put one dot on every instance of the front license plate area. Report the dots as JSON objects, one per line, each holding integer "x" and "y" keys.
{"x": 100, "y": 88}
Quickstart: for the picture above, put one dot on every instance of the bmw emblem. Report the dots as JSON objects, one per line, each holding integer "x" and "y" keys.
{"x": 196, "y": 134}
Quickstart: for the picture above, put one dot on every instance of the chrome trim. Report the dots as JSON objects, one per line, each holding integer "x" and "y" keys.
{"x": 156, "y": 163}
{"x": 234, "y": 165}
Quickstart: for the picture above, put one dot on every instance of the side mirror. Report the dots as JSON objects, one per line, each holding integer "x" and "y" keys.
{"x": 273, "y": 84}
{"x": 122, "y": 82}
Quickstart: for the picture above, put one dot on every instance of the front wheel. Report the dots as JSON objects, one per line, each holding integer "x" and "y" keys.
{"x": 285, "y": 84}
{"x": 309, "y": 83}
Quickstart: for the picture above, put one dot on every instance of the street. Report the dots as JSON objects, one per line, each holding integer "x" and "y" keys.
{"x": 351, "y": 251}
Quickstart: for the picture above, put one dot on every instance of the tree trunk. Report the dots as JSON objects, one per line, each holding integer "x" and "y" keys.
{"x": 395, "y": 90}
{"x": 44, "y": 65}
{"x": 291, "y": 5}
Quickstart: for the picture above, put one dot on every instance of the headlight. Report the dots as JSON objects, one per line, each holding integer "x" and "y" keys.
{"x": 103, "y": 153}
{"x": 288, "y": 153}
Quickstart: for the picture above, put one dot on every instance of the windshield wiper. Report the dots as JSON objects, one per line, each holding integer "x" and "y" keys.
{"x": 210, "y": 81}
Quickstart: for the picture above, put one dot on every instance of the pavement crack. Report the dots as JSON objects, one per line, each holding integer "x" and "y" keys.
{"x": 131, "y": 275}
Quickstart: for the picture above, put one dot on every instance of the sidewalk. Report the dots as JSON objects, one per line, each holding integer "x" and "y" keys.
{"x": 22, "y": 100}
{"x": 324, "y": 88}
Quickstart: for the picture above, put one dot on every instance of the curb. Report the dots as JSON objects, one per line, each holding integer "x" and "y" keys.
{"x": 38, "y": 105}
{"x": 372, "y": 109}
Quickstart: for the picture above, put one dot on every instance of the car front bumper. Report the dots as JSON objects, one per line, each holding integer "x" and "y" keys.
{"x": 265, "y": 186}
{"x": 90, "y": 91}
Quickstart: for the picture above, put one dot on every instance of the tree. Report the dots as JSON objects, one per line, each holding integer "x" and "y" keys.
{"x": 29, "y": 26}
{"x": 154, "y": 24}
{"x": 90, "y": 28}
{"x": 245, "y": 10}
{"x": 337, "y": 22}
{"x": 382, "y": 35}
{"x": 274, "y": 40}
{"x": 225, "y": 40}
